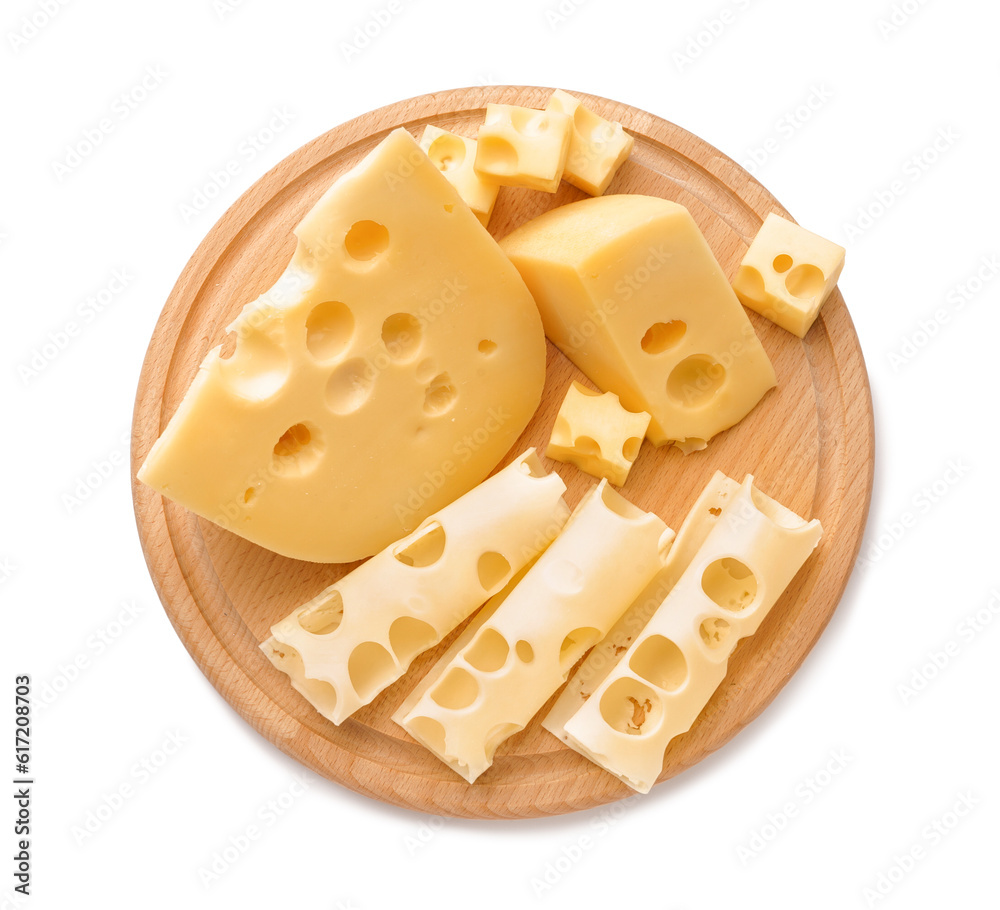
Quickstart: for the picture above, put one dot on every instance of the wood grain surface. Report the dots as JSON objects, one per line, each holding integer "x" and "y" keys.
{"x": 809, "y": 443}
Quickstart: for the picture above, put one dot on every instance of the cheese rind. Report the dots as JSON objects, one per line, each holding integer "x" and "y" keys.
{"x": 666, "y": 677}
{"x": 455, "y": 157}
{"x": 398, "y": 330}
{"x": 535, "y": 632}
{"x": 519, "y": 146}
{"x": 630, "y": 291}
{"x": 360, "y": 634}
{"x": 597, "y": 147}
{"x": 595, "y": 433}
{"x": 788, "y": 273}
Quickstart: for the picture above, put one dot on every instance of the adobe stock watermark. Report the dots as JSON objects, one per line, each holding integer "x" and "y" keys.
{"x": 248, "y": 149}
{"x": 786, "y": 126}
{"x": 97, "y": 474}
{"x": 32, "y": 24}
{"x": 85, "y": 313}
{"x": 560, "y": 13}
{"x": 93, "y": 136}
{"x": 225, "y": 8}
{"x": 805, "y": 792}
{"x": 711, "y": 30}
{"x": 898, "y": 17}
{"x": 913, "y": 170}
{"x": 371, "y": 29}
{"x": 939, "y": 659}
{"x": 932, "y": 835}
{"x": 7, "y": 569}
{"x": 425, "y": 833}
{"x": 955, "y": 300}
{"x": 922, "y": 502}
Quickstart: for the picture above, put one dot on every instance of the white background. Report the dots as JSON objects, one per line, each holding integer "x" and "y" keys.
{"x": 902, "y": 126}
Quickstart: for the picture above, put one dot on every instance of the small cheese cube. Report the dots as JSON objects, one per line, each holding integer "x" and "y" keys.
{"x": 597, "y": 147}
{"x": 788, "y": 273}
{"x": 519, "y": 146}
{"x": 455, "y": 157}
{"x": 595, "y": 433}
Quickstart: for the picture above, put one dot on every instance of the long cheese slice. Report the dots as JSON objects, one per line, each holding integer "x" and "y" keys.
{"x": 534, "y": 633}
{"x": 388, "y": 371}
{"x": 669, "y": 672}
{"x": 360, "y": 634}
{"x": 630, "y": 291}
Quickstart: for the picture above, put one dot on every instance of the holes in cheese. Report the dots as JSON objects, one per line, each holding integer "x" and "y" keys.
{"x": 525, "y": 653}
{"x": 729, "y": 584}
{"x": 662, "y": 336}
{"x": 457, "y": 690}
{"x": 370, "y": 338}
{"x": 518, "y": 146}
{"x": 488, "y": 652}
{"x": 631, "y": 707}
{"x": 361, "y": 633}
{"x": 576, "y": 644}
{"x": 714, "y": 632}
{"x": 660, "y": 662}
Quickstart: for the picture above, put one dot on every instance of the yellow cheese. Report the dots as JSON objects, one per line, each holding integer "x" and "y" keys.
{"x": 663, "y": 681}
{"x": 788, "y": 273}
{"x": 455, "y": 157}
{"x": 533, "y": 634}
{"x": 388, "y": 371}
{"x": 597, "y": 147}
{"x": 595, "y": 433}
{"x": 629, "y": 290}
{"x": 360, "y": 634}
{"x": 519, "y": 146}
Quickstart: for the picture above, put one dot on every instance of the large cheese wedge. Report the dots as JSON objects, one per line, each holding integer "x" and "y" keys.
{"x": 359, "y": 635}
{"x": 387, "y": 372}
{"x": 665, "y": 678}
{"x": 532, "y": 635}
{"x": 630, "y": 291}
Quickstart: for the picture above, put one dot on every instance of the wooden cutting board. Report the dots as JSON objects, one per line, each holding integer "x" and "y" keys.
{"x": 809, "y": 443}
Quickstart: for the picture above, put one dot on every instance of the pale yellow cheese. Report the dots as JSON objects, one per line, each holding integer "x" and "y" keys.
{"x": 360, "y": 634}
{"x": 455, "y": 157}
{"x": 663, "y": 681}
{"x": 519, "y": 146}
{"x": 535, "y": 632}
{"x": 595, "y": 433}
{"x": 597, "y": 147}
{"x": 788, "y": 273}
{"x": 629, "y": 290}
{"x": 388, "y": 371}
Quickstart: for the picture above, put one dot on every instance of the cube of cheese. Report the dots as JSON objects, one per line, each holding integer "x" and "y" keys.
{"x": 455, "y": 157}
{"x": 788, "y": 273}
{"x": 597, "y": 147}
{"x": 519, "y": 146}
{"x": 595, "y": 433}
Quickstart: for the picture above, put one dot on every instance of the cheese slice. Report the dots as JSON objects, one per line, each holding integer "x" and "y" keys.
{"x": 534, "y": 632}
{"x": 630, "y": 291}
{"x": 360, "y": 634}
{"x": 455, "y": 157}
{"x": 388, "y": 371}
{"x": 665, "y": 678}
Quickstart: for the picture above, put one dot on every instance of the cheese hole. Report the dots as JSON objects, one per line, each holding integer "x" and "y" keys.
{"x": 661, "y": 336}
{"x": 659, "y": 661}
{"x": 782, "y": 263}
{"x": 804, "y": 281}
{"x": 440, "y": 395}
{"x": 428, "y": 731}
{"x": 323, "y": 614}
{"x": 524, "y": 651}
{"x": 695, "y": 380}
{"x": 591, "y": 128}
{"x": 586, "y": 445}
{"x": 751, "y": 284}
{"x": 575, "y": 645}
{"x": 493, "y": 570}
{"x": 371, "y": 669}
{"x": 329, "y": 328}
{"x": 631, "y": 707}
{"x": 321, "y": 694}
{"x": 630, "y": 448}
{"x": 402, "y": 336}
{"x": 729, "y": 584}
{"x": 497, "y": 735}
{"x": 449, "y": 208}
{"x": 293, "y": 440}
{"x": 498, "y": 155}
{"x": 365, "y": 240}
{"x": 457, "y": 690}
{"x": 423, "y": 548}
{"x": 257, "y": 368}
{"x": 299, "y": 449}
{"x": 349, "y": 386}
{"x": 487, "y": 347}
{"x": 528, "y": 122}
{"x": 488, "y": 651}
{"x": 408, "y": 637}
{"x": 714, "y": 632}
{"x": 447, "y": 152}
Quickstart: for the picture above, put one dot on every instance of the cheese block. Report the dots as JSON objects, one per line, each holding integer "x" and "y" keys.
{"x": 519, "y": 146}
{"x": 386, "y": 372}
{"x": 535, "y": 632}
{"x": 665, "y": 678}
{"x": 360, "y": 634}
{"x": 597, "y": 147}
{"x": 455, "y": 157}
{"x": 788, "y": 273}
{"x": 630, "y": 291}
{"x": 595, "y": 433}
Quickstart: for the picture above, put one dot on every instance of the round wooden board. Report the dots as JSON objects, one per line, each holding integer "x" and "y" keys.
{"x": 809, "y": 443}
